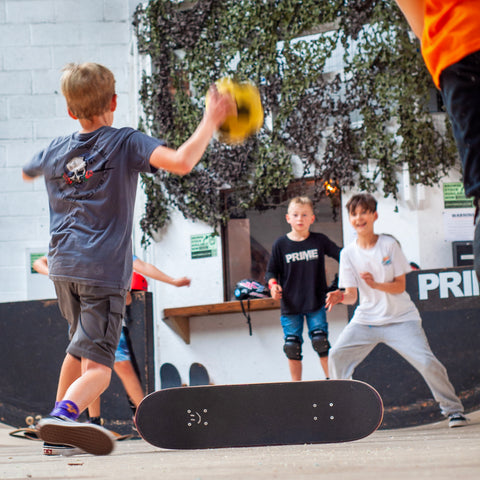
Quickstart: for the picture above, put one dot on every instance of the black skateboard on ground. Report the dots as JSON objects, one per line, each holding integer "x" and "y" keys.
{"x": 261, "y": 414}
{"x": 198, "y": 375}
{"x": 169, "y": 376}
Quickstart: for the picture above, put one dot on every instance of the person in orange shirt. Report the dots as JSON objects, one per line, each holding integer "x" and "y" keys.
{"x": 449, "y": 31}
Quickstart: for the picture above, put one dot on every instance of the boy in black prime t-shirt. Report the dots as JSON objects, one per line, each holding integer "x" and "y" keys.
{"x": 296, "y": 275}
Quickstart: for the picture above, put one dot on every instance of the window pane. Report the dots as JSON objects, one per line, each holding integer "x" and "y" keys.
{"x": 248, "y": 241}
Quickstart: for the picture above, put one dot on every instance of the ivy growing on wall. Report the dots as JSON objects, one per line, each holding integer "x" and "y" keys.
{"x": 349, "y": 106}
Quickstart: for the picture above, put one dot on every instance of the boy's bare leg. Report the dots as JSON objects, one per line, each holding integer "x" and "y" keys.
{"x": 130, "y": 381}
{"x": 90, "y": 385}
{"x": 324, "y": 364}
{"x": 94, "y": 409}
{"x": 70, "y": 371}
{"x": 295, "y": 367}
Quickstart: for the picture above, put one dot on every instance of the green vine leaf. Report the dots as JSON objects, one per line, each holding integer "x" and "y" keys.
{"x": 332, "y": 114}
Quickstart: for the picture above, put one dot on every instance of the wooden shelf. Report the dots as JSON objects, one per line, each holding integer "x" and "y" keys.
{"x": 178, "y": 319}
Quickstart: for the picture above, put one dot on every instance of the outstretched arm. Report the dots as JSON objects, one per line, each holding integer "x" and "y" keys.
{"x": 182, "y": 160}
{"x": 150, "y": 271}
{"x": 40, "y": 265}
{"x": 27, "y": 178}
{"x": 347, "y": 297}
{"x": 414, "y": 11}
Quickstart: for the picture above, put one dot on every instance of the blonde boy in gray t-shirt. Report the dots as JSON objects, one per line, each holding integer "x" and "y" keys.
{"x": 91, "y": 178}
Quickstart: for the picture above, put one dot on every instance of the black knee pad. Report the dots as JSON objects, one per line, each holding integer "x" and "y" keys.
{"x": 293, "y": 347}
{"x": 320, "y": 342}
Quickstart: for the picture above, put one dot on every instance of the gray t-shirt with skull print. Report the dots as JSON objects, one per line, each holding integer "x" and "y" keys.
{"x": 91, "y": 181}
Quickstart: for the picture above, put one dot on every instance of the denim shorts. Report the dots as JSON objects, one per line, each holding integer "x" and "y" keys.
{"x": 460, "y": 86}
{"x": 293, "y": 324}
{"x": 94, "y": 315}
{"x": 122, "y": 354}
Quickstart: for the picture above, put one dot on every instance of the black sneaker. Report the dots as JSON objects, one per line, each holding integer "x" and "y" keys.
{"x": 96, "y": 421}
{"x": 90, "y": 438}
{"x": 457, "y": 420}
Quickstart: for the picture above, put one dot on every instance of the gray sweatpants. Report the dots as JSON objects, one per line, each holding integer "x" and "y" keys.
{"x": 409, "y": 340}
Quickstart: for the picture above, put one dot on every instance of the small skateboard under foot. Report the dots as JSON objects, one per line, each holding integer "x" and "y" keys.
{"x": 29, "y": 432}
{"x": 118, "y": 437}
{"x": 217, "y": 416}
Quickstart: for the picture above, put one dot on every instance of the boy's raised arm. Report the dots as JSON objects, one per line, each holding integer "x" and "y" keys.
{"x": 27, "y": 178}
{"x": 182, "y": 160}
{"x": 414, "y": 11}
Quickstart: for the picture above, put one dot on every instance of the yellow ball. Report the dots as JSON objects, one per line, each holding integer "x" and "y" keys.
{"x": 249, "y": 118}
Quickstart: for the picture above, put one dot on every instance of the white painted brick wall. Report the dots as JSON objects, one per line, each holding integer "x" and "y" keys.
{"x": 37, "y": 38}
{"x": 29, "y": 11}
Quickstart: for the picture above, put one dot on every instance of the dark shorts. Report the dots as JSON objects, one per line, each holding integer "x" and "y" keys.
{"x": 460, "y": 86}
{"x": 122, "y": 354}
{"x": 94, "y": 315}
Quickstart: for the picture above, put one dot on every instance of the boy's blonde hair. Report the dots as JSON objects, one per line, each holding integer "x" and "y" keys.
{"x": 300, "y": 201}
{"x": 88, "y": 89}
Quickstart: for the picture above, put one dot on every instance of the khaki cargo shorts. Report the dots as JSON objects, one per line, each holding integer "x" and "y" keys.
{"x": 94, "y": 315}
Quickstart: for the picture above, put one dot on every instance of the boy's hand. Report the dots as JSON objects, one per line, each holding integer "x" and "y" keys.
{"x": 333, "y": 298}
{"x": 368, "y": 278}
{"x": 182, "y": 282}
{"x": 396, "y": 286}
{"x": 219, "y": 107}
{"x": 276, "y": 291}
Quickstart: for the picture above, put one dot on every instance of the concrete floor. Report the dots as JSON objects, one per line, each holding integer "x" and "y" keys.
{"x": 426, "y": 452}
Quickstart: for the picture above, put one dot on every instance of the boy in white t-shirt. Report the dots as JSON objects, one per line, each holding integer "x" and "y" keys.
{"x": 376, "y": 266}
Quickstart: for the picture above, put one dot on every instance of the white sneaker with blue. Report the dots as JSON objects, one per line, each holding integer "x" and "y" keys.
{"x": 63, "y": 432}
{"x": 51, "y": 449}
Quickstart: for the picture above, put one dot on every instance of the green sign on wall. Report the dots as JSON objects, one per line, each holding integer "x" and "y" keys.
{"x": 204, "y": 245}
{"x": 454, "y": 196}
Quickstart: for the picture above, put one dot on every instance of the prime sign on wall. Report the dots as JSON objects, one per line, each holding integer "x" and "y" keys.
{"x": 453, "y": 288}
{"x": 447, "y": 284}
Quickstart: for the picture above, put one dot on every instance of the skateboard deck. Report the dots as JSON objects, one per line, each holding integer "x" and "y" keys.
{"x": 29, "y": 432}
{"x": 169, "y": 376}
{"x": 198, "y": 375}
{"x": 260, "y": 414}
{"x": 118, "y": 437}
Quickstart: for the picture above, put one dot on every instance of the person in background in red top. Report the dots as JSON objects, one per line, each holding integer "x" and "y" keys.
{"x": 449, "y": 31}
{"x": 123, "y": 363}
